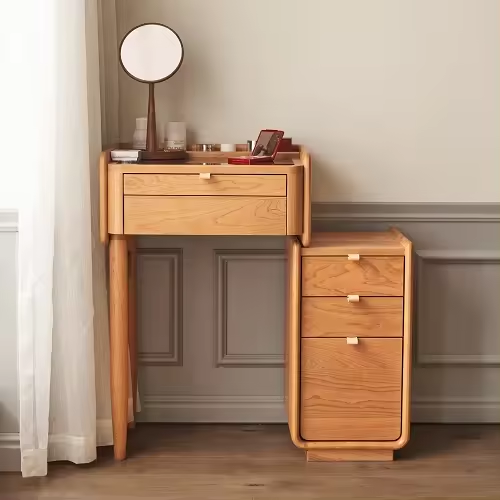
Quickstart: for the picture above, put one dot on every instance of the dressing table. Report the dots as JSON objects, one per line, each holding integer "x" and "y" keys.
{"x": 202, "y": 196}
{"x": 349, "y": 307}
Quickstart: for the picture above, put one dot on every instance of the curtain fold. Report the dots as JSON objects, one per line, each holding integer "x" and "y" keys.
{"x": 62, "y": 309}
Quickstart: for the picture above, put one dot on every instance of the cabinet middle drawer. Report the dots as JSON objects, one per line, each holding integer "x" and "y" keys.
{"x": 337, "y": 317}
{"x": 208, "y": 184}
{"x": 339, "y": 276}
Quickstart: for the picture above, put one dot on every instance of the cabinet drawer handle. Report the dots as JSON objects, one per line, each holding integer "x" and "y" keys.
{"x": 352, "y": 340}
{"x": 353, "y": 256}
{"x": 353, "y": 298}
{"x": 205, "y": 175}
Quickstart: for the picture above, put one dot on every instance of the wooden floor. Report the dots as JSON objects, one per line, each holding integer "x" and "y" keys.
{"x": 259, "y": 462}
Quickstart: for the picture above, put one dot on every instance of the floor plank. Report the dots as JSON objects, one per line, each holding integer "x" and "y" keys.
{"x": 245, "y": 462}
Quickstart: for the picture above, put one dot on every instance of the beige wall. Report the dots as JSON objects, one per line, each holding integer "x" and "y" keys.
{"x": 397, "y": 99}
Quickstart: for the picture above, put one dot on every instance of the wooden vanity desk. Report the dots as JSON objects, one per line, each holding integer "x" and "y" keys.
{"x": 348, "y": 336}
{"x": 203, "y": 196}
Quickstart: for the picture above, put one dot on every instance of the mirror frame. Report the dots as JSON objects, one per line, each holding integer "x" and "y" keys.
{"x": 151, "y": 81}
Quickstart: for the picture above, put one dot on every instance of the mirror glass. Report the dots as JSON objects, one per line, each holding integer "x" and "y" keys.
{"x": 266, "y": 143}
{"x": 151, "y": 53}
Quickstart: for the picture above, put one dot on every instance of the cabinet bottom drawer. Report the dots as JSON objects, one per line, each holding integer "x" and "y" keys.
{"x": 209, "y": 215}
{"x": 351, "y": 392}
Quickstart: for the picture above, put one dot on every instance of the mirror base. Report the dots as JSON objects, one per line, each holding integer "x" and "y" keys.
{"x": 163, "y": 155}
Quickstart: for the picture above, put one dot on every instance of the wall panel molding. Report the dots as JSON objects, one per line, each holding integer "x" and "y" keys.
{"x": 223, "y": 357}
{"x": 450, "y": 257}
{"x": 172, "y": 357}
{"x": 407, "y": 212}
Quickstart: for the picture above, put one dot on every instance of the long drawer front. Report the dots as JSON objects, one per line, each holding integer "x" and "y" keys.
{"x": 338, "y": 276}
{"x": 337, "y": 317}
{"x": 196, "y": 185}
{"x": 204, "y": 215}
{"x": 351, "y": 392}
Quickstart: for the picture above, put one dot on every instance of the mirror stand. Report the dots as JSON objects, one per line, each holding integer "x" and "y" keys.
{"x": 152, "y": 153}
{"x": 151, "y": 131}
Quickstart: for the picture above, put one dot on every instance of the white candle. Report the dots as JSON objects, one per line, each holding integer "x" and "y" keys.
{"x": 175, "y": 136}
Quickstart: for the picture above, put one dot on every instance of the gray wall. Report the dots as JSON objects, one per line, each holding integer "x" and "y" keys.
{"x": 9, "y": 423}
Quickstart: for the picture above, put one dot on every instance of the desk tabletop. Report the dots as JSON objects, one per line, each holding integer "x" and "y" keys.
{"x": 293, "y": 166}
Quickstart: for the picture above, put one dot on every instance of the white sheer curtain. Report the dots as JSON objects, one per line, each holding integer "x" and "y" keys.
{"x": 52, "y": 127}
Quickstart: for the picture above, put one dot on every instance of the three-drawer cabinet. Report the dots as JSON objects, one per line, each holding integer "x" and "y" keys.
{"x": 348, "y": 345}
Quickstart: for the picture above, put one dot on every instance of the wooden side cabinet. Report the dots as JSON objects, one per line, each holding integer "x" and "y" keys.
{"x": 349, "y": 344}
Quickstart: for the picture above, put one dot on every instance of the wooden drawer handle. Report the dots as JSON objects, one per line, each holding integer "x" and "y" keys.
{"x": 353, "y": 256}
{"x": 353, "y": 298}
{"x": 205, "y": 175}
{"x": 352, "y": 340}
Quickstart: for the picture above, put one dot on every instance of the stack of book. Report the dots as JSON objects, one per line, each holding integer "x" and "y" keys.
{"x": 126, "y": 155}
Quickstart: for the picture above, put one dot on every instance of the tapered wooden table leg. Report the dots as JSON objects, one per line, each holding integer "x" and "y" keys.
{"x": 132, "y": 318}
{"x": 118, "y": 326}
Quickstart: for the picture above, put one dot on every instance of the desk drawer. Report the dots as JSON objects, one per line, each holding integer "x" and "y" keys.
{"x": 204, "y": 215}
{"x": 338, "y": 276}
{"x": 351, "y": 392}
{"x": 194, "y": 185}
{"x": 336, "y": 317}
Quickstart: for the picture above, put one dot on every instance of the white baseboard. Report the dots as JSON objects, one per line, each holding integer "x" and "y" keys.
{"x": 10, "y": 453}
{"x": 456, "y": 411}
{"x": 8, "y": 221}
{"x": 213, "y": 409}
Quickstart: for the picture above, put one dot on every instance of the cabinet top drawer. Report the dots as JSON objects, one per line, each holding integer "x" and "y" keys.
{"x": 339, "y": 276}
{"x": 204, "y": 185}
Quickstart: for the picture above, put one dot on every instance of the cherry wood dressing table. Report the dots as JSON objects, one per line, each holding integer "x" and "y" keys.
{"x": 204, "y": 196}
{"x": 349, "y": 307}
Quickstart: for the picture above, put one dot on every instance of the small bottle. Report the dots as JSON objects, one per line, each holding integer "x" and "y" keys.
{"x": 140, "y": 133}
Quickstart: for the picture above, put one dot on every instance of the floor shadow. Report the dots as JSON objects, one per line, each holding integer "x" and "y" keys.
{"x": 428, "y": 440}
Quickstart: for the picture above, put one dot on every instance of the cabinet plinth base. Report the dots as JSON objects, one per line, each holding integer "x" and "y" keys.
{"x": 349, "y": 455}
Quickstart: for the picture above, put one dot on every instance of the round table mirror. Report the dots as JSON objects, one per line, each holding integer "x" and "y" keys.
{"x": 151, "y": 53}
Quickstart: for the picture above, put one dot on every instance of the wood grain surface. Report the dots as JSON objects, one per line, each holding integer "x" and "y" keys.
{"x": 191, "y": 184}
{"x": 409, "y": 286}
{"x": 305, "y": 158}
{"x": 351, "y": 392}
{"x": 201, "y": 166}
{"x": 204, "y": 215}
{"x": 349, "y": 455}
{"x": 115, "y": 202}
{"x": 292, "y": 338}
{"x": 336, "y": 317}
{"x": 337, "y": 276}
{"x": 294, "y": 203}
{"x": 241, "y": 462}
{"x": 118, "y": 340}
{"x": 367, "y": 243}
